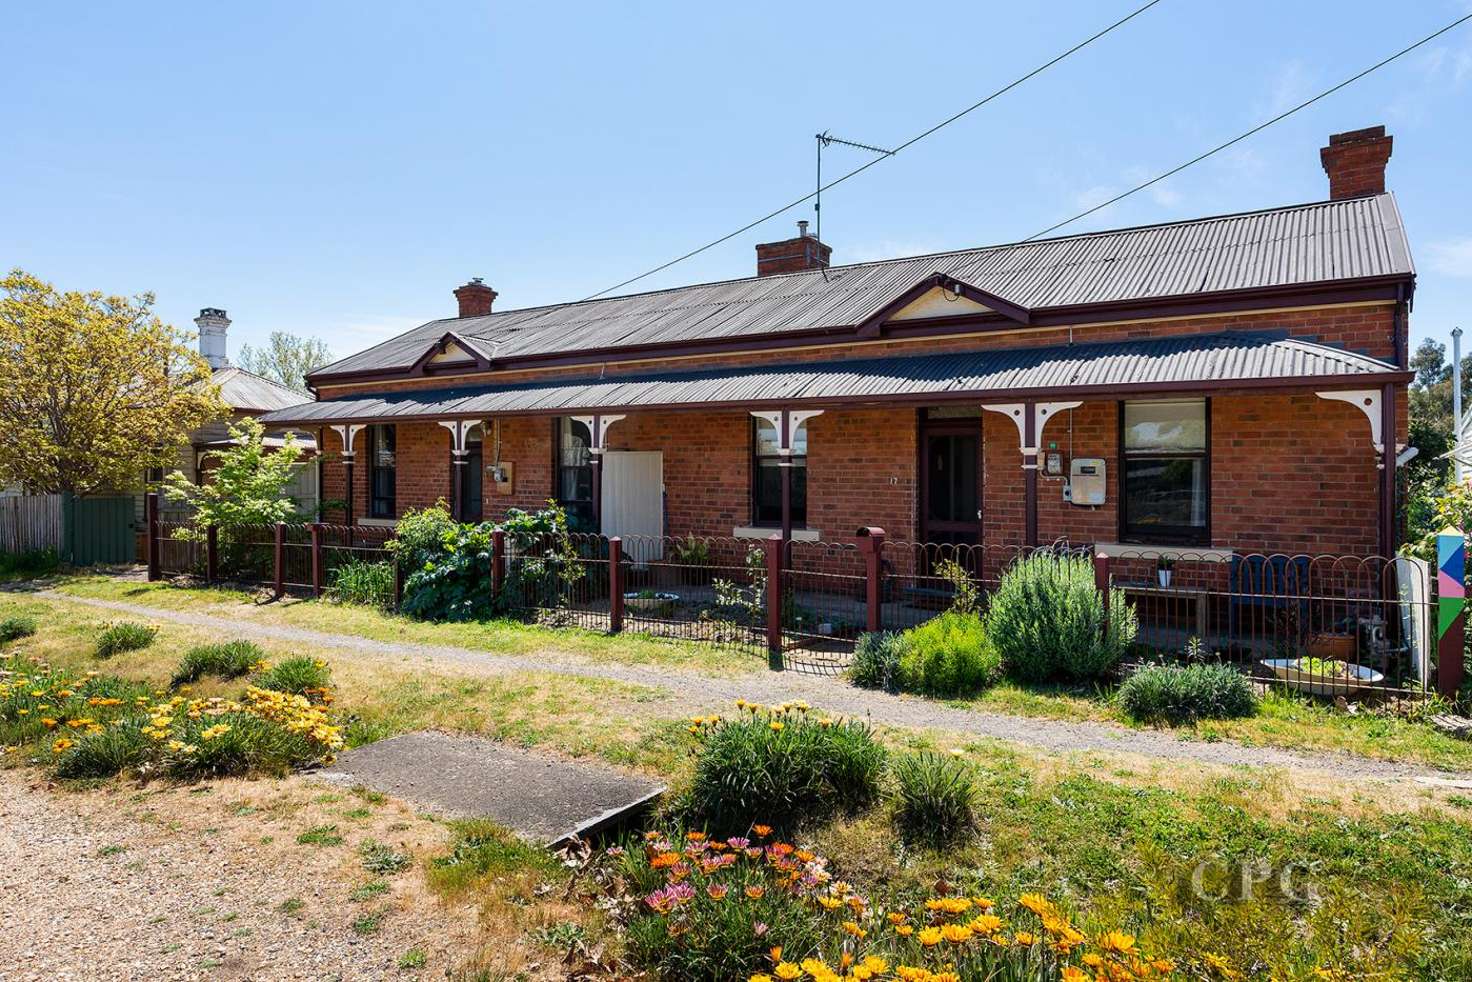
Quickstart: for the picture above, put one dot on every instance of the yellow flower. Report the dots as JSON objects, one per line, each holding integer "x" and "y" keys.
{"x": 956, "y": 933}
{"x": 1071, "y": 973}
{"x": 760, "y": 977}
{"x": 776, "y": 725}
{"x": 1118, "y": 942}
{"x": 1036, "y": 903}
{"x": 830, "y": 903}
{"x": 62, "y": 744}
{"x": 48, "y": 722}
{"x": 787, "y": 970}
{"x": 853, "y": 928}
{"x": 1024, "y": 938}
{"x": 904, "y": 930}
{"x": 929, "y": 937}
{"x": 986, "y": 923}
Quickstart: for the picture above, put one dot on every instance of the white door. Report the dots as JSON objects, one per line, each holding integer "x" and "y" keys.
{"x": 633, "y": 501}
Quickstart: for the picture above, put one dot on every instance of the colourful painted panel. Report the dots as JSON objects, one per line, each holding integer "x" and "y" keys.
{"x": 1451, "y": 571}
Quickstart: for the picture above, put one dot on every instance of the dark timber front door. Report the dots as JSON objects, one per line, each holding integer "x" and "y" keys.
{"x": 950, "y": 494}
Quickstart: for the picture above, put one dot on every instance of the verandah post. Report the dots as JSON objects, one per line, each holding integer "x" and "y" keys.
{"x": 1101, "y": 583}
{"x": 615, "y": 584}
{"x": 775, "y": 546}
{"x": 150, "y": 515}
{"x": 316, "y": 528}
{"x": 211, "y": 554}
{"x": 871, "y": 544}
{"x": 498, "y": 563}
{"x": 280, "y": 560}
{"x": 1451, "y": 610}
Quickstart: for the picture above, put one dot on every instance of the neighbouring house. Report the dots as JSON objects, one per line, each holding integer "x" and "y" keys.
{"x": 247, "y": 394}
{"x": 1228, "y": 384}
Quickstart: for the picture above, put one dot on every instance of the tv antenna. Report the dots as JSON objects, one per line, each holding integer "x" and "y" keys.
{"x": 828, "y": 139}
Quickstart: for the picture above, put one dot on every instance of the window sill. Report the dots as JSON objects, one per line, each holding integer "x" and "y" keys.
{"x": 1149, "y": 550}
{"x": 763, "y": 532}
{"x": 386, "y": 523}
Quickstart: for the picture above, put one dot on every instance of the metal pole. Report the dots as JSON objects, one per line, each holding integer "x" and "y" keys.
{"x": 1457, "y": 428}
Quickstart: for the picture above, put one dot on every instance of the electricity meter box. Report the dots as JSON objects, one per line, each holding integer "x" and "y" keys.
{"x": 1086, "y": 481}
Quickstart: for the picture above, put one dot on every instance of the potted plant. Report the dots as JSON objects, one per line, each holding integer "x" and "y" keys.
{"x": 1163, "y": 566}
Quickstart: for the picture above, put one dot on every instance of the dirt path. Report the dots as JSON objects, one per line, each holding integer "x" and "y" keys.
{"x": 694, "y": 692}
{"x": 209, "y": 881}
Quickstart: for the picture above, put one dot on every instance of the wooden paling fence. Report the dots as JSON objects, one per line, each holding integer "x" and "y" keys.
{"x": 30, "y": 523}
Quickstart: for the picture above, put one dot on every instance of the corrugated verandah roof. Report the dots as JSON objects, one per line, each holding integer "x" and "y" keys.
{"x": 1212, "y": 359}
{"x": 1300, "y": 245}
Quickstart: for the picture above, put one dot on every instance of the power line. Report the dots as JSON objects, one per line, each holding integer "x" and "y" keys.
{"x": 908, "y": 143}
{"x": 1256, "y": 129}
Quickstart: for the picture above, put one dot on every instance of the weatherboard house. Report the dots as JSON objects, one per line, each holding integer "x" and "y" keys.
{"x": 1227, "y": 385}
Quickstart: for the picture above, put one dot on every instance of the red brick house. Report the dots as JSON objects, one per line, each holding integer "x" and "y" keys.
{"x": 1233, "y": 383}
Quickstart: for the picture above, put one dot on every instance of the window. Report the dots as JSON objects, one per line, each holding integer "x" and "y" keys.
{"x": 382, "y": 467}
{"x": 1166, "y": 471}
{"x": 574, "y": 470}
{"x": 766, "y": 475}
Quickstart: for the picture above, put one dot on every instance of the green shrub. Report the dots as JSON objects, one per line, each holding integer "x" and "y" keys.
{"x": 948, "y": 655}
{"x": 111, "y": 751}
{"x": 15, "y": 628}
{"x": 299, "y": 675}
{"x": 1177, "y": 693}
{"x": 229, "y": 660}
{"x": 419, "y": 535}
{"x": 124, "y": 636}
{"x": 935, "y": 798}
{"x": 1047, "y": 621}
{"x": 367, "y": 584}
{"x": 876, "y": 661}
{"x": 37, "y": 562}
{"x": 780, "y": 767}
{"x": 381, "y": 859}
{"x": 453, "y": 584}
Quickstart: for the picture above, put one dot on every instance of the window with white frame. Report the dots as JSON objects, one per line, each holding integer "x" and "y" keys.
{"x": 766, "y": 475}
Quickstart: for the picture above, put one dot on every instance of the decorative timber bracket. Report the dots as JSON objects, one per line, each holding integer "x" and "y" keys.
{"x": 1030, "y": 424}
{"x": 460, "y": 437}
{"x": 347, "y": 433}
{"x": 1366, "y": 401}
{"x": 786, "y": 422}
{"x": 598, "y": 430}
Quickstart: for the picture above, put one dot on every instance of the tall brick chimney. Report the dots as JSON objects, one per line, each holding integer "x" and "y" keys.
{"x": 792, "y": 255}
{"x": 475, "y": 298}
{"x": 1355, "y": 162}
{"x": 213, "y": 324}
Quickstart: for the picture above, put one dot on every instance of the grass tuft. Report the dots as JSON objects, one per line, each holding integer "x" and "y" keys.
{"x": 124, "y": 636}
{"x": 15, "y": 628}
{"x": 935, "y": 799}
{"x": 1180, "y": 693}
{"x": 229, "y": 660}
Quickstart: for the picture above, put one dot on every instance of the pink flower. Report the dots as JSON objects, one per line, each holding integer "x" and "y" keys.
{"x": 738, "y": 842}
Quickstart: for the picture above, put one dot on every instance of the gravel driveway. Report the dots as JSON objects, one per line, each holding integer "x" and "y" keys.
{"x": 694, "y": 692}
{"x": 210, "y": 881}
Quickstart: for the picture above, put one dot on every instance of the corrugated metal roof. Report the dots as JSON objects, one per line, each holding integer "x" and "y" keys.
{"x": 245, "y": 390}
{"x": 1213, "y": 358}
{"x": 1326, "y": 241}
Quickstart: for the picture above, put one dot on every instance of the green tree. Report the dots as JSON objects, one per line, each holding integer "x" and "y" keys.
{"x": 94, "y": 390}
{"x": 286, "y": 358}
{"x": 244, "y": 485}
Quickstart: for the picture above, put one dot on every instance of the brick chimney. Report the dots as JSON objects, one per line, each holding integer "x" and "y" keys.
{"x": 1355, "y": 162}
{"x": 475, "y": 298}
{"x": 792, "y": 255}
{"x": 213, "y": 324}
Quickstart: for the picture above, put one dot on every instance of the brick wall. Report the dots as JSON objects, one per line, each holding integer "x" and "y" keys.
{"x": 1289, "y": 473}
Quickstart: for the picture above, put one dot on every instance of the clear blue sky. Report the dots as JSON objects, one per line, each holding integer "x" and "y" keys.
{"x": 336, "y": 169}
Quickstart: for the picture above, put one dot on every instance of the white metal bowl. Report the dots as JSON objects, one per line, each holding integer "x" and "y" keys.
{"x": 1359, "y": 677}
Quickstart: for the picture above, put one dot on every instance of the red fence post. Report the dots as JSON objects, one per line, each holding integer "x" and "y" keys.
{"x": 498, "y": 563}
{"x": 615, "y": 584}
{"x": 150, "y": 514}
{"x": 211, "y": 554}
{"x": 1101, "y": 583}
{"x": 774, "y": 602}
{"x": 871, "y": 544}
{"x": 280, "y": 560}
{"x": 316, "y": 528}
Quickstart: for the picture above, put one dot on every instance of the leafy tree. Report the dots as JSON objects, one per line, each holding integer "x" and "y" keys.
{"x": 1431, "y": 503}
{"x": 244, "y": 487}
{"x": 94, "y": 390}
{"x": 286, "y": 358}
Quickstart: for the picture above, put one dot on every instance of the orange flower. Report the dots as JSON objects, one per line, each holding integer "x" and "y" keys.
{"x": 756, "y": 893}
{"x": 762, "y": 831}
{"x": 664, "y": 860}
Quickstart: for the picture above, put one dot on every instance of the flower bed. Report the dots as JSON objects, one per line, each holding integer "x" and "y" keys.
{"x": 97, "y": 725}
{"x": 754, "y": 907}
